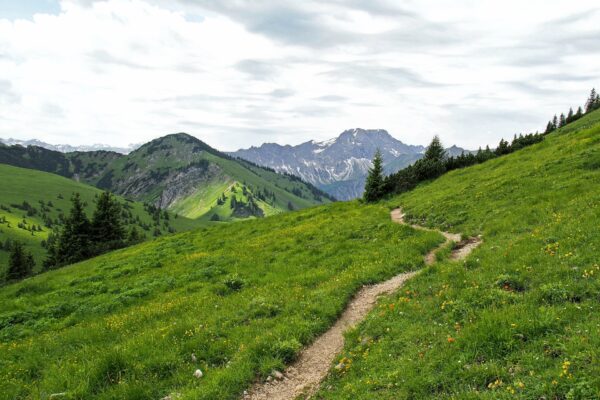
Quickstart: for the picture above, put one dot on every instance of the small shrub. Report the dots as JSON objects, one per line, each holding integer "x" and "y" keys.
{"x": 234, "y": 282}
{"x": 510, "y": 283}
{"x": 554, "y": 293}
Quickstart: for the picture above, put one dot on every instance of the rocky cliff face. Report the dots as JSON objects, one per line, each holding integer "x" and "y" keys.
{"x": 338, "y": 166}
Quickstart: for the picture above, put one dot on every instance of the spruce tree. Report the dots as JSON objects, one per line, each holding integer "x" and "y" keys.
{"x": 579, "y": 112}
{"x": 562, "y": 121}
{"x": 570, "y": 116}
{"x": 375, "y": 180}
{"x": 435, "y": 151}
{"x": 74, "y": 242}
{"x": 20, "y": 262}
{"x": 591, "y": 102}
{"x": 554, "y": 122}
{"x": 107, "y": 230}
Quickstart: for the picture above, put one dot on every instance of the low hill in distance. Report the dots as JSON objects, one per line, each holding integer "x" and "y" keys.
{"x": 177, "y": 172}
{"x": 33, "y": 203}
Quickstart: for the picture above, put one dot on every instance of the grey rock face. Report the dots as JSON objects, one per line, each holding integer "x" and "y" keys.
{"x": 338, "y": 166}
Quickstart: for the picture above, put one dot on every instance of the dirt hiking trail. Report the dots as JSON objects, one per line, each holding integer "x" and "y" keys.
{"x": 303, "y": 377}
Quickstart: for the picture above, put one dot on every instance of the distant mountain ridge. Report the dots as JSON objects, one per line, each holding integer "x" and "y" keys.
{"x": 338, "y": 166}
{"x": 177, "y": 172}
{"x": 67, "y": 148}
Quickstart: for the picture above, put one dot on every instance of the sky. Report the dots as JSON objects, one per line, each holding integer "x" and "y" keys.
{"x": 240, "y": 73}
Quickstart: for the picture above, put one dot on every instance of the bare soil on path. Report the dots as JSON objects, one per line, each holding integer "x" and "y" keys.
{"x": 303, "y": 377}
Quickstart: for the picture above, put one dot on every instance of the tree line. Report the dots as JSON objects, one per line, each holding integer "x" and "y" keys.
{"x": 80, "y": 238}
{"x": 591, "y": 104}
{"x": 436, "y": 162}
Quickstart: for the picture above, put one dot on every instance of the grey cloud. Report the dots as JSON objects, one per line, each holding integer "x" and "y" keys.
{"x": 551, "y": 42}
{"x": 104, "y": 57}
{"x": 7, "y": 93}
{"x": 378, "y": 76}
{"x": 332, "y": 98}
{"x": 531, "y": 88}
{"x": 304, "y": 23}
{"x": 52, "y": 110}
{"x": 282, "y": 93}
{"x": 258, "y": 69}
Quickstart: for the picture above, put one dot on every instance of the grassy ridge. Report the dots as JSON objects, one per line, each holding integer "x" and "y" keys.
{"x": 520, "y": 318}
{"x": 21, "y": 184}
{"x": 243, "y": 297}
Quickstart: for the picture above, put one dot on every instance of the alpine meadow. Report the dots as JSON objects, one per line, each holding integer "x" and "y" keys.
{"x": 444, "y": 245}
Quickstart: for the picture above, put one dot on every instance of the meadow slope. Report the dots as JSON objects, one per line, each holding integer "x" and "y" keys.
{"x": 36, "y": 187}
{"x": 520, "y": 318}
{"x": 244, "y": 298}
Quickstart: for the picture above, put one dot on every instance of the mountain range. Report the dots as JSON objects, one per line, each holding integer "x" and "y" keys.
{"x": 67, "y": 148}
{"x": 180, "y": 173}
{"x": 338, "y": 166}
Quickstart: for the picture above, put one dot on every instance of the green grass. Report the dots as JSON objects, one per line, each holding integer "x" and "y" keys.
{"x": 243, "y": 297}
{"x": 21, "y": 184}
{"x": 200, "y": 202}
{"x": 520, "y": 318}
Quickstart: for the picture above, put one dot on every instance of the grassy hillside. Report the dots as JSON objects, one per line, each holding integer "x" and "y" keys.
{"x": 243, "y": 297}
{"x": 176, "y": 172}
{"x": 188, "y": 177}
{"x": 521, "y": 317}
{"x": 35, "y": 187}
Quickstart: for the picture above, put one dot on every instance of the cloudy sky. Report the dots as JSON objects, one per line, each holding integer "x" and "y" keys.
{"x": 238, "y": 73}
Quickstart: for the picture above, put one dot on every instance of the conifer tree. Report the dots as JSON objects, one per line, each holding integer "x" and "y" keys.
{"x": 554, "y": 122}
{"x": 579, "y": 112}
{"x": 20, "y": 263}
{"x": 375, "y": 180}
{"x": 562, "y": 121}
{"x": 435, "y": 151}
{"x": 74, "y": 241}
{"x": 570, "y": 116}
{"x": 107, "y": 230}
{"x": 591, "y": 102}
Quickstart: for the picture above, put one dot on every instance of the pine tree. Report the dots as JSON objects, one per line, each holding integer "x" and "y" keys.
{"x": 107, "y": 230}
{"x": 579, "y": 113}
{"x": 554, "y": 122}
{"x": 503, "y": 147}
{"x": 74, "y": 241}
{"x": 375, "y": 180}
{"x": 570, "y": 116}
{"x": 562, "y": 121}
{"x": 549, "y": 127}
{"x": 590, "y": 104}
{"x": 20, "y": 263}
{"x": 435, "y": 151}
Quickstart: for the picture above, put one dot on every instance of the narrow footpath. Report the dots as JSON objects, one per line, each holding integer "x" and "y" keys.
{"x": 304, "y": 376}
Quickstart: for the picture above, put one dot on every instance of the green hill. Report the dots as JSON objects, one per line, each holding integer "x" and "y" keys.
{"x": 31, "y": 198}
{"x": 518, "y": 319}
{"x": 176, "y": 172}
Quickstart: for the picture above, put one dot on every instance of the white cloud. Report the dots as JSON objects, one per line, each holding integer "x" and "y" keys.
{"x": 236, "y": 74}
